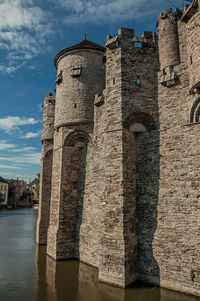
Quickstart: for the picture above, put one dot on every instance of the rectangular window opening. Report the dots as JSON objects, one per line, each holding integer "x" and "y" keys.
{"x": 138, "y": 44}
{"x": 138, "y": 80}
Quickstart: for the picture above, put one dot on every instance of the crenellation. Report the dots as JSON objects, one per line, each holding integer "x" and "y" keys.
{"x": 120, "y": 164}
{"x": 126, "y": 33}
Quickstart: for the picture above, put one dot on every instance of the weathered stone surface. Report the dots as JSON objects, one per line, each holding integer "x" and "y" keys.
{"x": 125, "y": 163}
{"x": 46, "y": 168}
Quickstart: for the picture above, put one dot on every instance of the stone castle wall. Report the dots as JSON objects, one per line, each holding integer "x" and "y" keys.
{"x": 167, "y": 189}
{"x": 125, "y": 165}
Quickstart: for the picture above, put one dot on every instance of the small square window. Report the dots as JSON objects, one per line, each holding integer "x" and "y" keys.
{"x": 138, "y": 44}
{"x": 138, "y": 80}
{"x": 75, "y": 71}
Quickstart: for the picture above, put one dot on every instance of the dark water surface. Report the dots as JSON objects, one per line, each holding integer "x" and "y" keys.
{"x": 27, "y": 274}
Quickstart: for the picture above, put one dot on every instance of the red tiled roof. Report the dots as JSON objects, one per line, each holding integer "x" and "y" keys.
{"x": 85, "y": 44}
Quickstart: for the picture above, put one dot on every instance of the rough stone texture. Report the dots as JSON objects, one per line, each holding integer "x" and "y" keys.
{"x": 71, "y": 227}
{"x": 45, "y": 193}
{"x": 48, "y": 117}
{"x": 46, "y": 169}
{"x": 125, "y": 181}
{"x": 193, "y": 49}
{"x": 168, "y": 39}
{"x": 75, "y": 95}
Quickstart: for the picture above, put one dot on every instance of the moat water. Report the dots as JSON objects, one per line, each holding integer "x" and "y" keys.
{"x": 27, "y": 274}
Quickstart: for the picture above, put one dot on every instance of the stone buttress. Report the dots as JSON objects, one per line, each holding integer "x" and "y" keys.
{"x": 130, "y": 109}
{"x": 46, "y": 169}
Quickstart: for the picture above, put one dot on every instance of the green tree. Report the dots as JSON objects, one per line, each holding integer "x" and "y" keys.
{"x": 37, "y": 187}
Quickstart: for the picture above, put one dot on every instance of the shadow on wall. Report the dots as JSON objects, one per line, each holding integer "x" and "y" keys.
{"x": 147, "y": 192}
{"x": 141, "y": 146}
{"x": 80, "y": 199}
{"x": 76, "y": 146}
{"x": 145, "y": 151}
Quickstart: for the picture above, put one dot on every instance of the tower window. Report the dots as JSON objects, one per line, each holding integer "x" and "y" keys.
{"x": 75, "y": 105}
{"x": 113, "y": 81}
{"x": 59, "y": 78}
{"x": 138, "y": 44}
{"x": 138, "y": 80}
{"x": 75, "y": 71}
{"x": 191, "y": 59}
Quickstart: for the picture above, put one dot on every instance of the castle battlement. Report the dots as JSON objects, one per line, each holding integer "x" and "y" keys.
{"x": 148, "y": 39}
{"x": 120, "y": 155}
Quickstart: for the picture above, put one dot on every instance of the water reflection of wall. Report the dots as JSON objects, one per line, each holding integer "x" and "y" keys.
{"x": 62, "y": 279}
{"x": 89, "y": 288}
{"x": 168, "y": 295}
{"x": 74, "y": 281}
{"x": 40, "y": 274}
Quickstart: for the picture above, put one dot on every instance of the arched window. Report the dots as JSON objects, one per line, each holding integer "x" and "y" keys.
{"x": 195, "y": 111}
{"x": 140, "y": 122}
{"x": 137, "y": 127}
{"x": 78, "y": 138}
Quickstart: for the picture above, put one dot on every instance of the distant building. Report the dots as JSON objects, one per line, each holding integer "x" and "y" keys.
{"x": 3, "y": 193}
{"x": 31, "y": 186}
{"x": 16, "y": 191}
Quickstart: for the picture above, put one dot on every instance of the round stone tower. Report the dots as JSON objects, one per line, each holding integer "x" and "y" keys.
{"x": 168, "y": 39}
{"x": 48, "y": 117}
{"x": 80, "y": 76}
{"x": 193, "y": 51}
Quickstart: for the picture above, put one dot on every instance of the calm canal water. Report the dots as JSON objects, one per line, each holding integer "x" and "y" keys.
{"x": 27, "y": 274}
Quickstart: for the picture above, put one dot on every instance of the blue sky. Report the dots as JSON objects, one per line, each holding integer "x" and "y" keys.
{"x": 32, "y": 32}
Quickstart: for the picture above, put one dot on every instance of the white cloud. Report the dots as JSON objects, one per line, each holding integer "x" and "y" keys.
{"x": 32, "y": 158}
{"x": 23, "y": 32}
{"x": 9, "y": 69}
{"x": 17, "y": 174}
{"x": 11, "y": 123}
{"x": 10, "y": 167}
{"x": 31, "y": 135}
{"x": 81, "y": 11}
{"x": 19, "y": 14}
{"x": 5, "y": 146}
{"x": 23, "y": 149}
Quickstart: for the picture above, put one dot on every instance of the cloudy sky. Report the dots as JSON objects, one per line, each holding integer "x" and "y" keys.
{"x": 31, "y": 34}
